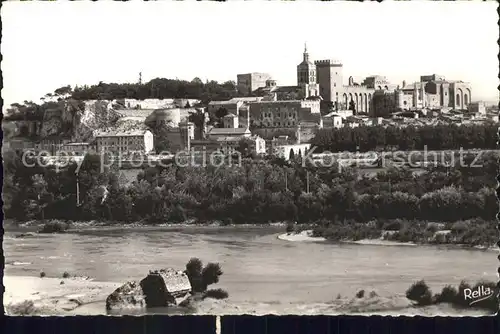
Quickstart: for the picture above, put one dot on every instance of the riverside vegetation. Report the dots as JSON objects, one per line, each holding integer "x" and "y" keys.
{"x": 340, "y": 204}
{"x": 422, "y": 295}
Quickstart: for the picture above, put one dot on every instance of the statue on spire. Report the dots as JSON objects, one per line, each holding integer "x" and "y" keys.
{"x": 306, "y": 55}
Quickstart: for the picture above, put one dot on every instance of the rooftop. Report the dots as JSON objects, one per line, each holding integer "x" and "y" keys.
{"x": 132, "y": 133}
{"x": 245, "y": 99}
{"x": 223, "y": 102}
{"x": 222, "y": 131}
{"x": 284, "y": 89}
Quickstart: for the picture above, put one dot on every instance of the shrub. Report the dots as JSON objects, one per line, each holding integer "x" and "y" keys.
{"x": 200, "y": 277}
{"x": 457, "y": 297}
{"x": 216, "y": 294}
{"x": 490, "y": 303}
{"x": 461, "y": 294}
{"x": 420, "y": 293}
{"x": 227, "y": 222}
{"x": 432, "y": 228}
{"x": 373, "y": 294}
{"x": 54, "y": 227}
{"x": 23, "y": 308}
{"x": 448, "y": 295}
{"x": 394, "y": 225}
{"x": 66, "y": 275}
{"x": 42, "y": 274}
{"x": 459, "y": 227}
{"x": 360, "y": 294}
{"x": 290, "y": 228}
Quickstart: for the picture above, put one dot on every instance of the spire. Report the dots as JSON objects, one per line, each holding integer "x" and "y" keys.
{"x": 306, "y": 54}
{"x": 305, "y": 47}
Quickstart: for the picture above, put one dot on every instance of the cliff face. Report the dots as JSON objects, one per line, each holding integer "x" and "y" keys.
{"x": 67, "y": 118}
{"x": 80, "y": 119}
{"x": 94, "y": 116}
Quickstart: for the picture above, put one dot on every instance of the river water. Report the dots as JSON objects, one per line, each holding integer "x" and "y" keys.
{"x": 259, "y": 270}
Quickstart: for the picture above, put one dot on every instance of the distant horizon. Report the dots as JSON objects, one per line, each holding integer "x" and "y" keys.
{"x": 113, "y": 50}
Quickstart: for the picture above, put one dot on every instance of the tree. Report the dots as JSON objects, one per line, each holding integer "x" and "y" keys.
{"x": 63, "y": 90}
{"x": 352, "y": 107}
{"x": 197, "y": 81}
{"x": 292, "y": 155}
{"x": 201, "y": 277}
{"x": 420, "y": 293}
{"x": 220, "y": 113}
{"x": 161, "y": 142}
{"x": 245, "y": 148}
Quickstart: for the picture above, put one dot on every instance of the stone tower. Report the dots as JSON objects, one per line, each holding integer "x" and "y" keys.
{"x": 329, "y": 77}
{"x": 306, "y": 75}
{"x": 306, "y": 70}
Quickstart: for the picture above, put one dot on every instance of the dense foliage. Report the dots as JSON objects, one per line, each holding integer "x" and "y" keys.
{"x": 263, "y": 191}
{"x": 440, "y": 137}
{"x": 159, "y": 88}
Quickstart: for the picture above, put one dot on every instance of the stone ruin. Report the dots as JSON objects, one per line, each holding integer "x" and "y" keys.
{"x": 160, "y": 288}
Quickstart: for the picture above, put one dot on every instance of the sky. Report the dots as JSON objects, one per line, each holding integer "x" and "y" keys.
{"x": 47, "y": 45}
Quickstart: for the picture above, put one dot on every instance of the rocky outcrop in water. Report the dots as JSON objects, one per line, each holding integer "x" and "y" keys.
{"x": 162, "y": 288}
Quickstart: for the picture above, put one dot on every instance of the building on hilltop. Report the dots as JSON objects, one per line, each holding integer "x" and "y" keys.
{"x": 287, "y": 113}
{"x": 477, "y": 108}
{"x": 324, "y": 78}
{"x": 306, "y": 76}
{"x": 250, "y": 82}
{"x": 295, "y": 118}
{"x": 78, "y": 149}
{"x": 215, "y": 133}
{"x": 434, "y": 92}
{"x": 329, "y": 78}
{"x": 124, "y": 142}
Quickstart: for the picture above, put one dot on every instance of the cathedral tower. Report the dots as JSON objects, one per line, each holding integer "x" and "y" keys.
{"x": 306, "y": 75}
{"x": 306, "y": 70}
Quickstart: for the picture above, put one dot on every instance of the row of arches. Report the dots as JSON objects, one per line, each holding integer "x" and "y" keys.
{"x": 462, "y": 99}
{"x": 361, "y": 101}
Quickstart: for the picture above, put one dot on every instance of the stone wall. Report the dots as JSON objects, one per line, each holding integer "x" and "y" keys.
{"x": 305, "y": 135}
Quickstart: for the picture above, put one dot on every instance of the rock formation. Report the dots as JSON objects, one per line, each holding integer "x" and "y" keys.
{"x": 128, "y": 296}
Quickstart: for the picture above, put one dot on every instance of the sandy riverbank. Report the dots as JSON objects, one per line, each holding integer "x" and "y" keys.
{"x": 81, "y": 297}
{"x": 307, "y": 236}
{"x": 50, "y": 297}
{"x": 302, "y": 236}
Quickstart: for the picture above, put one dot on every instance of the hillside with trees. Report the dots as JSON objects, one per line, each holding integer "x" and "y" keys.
{"x": 159, "y": 88}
